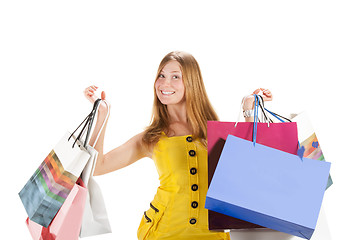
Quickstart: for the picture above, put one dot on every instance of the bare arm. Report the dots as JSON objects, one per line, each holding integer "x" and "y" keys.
{"x": 120, "y": 157}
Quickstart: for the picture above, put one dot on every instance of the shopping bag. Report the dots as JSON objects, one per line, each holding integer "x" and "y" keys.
{"x": 67, "y": 222}
{"x": 309, "y": 143}
{"x": 282, "y": 136}
{"x": 267, "y": 186}
{"x": 50, "y": 185}
{"x": 95, "y": 218}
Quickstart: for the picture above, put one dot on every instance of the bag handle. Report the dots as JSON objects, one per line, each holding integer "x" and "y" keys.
{"x": 87, "y": 139}
{"x": 267, "y": 119}
{"x": 256, "y": 109}
{"x": 87, "y": 122}
{"x": 277, "y": 116}
{"x": 259, "y": 103}
{"x": 262, "y": 107}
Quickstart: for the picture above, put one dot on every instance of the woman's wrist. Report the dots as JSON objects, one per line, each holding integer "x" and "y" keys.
{"x": 249, "y": 103}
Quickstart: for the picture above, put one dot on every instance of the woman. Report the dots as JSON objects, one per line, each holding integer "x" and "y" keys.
{"x": 176, "y": 141}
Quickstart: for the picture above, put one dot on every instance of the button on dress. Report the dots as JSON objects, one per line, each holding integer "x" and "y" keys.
{"x": 177, "y": 210}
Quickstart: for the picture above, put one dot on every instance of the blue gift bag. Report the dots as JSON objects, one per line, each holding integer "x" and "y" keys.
{"x": 268, "y": 187}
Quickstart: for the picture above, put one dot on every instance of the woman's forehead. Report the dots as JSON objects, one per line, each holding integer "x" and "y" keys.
{"x": 171, "y": 67}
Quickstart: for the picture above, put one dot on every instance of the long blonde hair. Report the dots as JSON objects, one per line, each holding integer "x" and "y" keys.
{"x": 198, "y": 107}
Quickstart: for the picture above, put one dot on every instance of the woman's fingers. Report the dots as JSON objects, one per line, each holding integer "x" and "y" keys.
{"x": 265, "y": 92}
{"x": 257, "y": 91}
{"x": 92, "y": 88}
{"x": 89, "y": 93}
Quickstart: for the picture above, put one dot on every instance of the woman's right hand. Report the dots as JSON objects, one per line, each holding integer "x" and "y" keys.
{"x": 89, "y": 93}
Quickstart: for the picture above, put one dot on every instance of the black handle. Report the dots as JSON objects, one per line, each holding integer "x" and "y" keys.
{"x": 88, "y": 123}
{"x": 96, "y": 105}
{"x": 263, "y": 109}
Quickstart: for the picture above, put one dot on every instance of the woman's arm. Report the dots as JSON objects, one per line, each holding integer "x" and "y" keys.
{"x": 120, "y": 157}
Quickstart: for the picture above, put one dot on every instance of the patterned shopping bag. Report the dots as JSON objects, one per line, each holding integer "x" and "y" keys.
{"x": 309, "y": 144}
{"x": 67, "y": 222}
{"x": 50, "y": 185}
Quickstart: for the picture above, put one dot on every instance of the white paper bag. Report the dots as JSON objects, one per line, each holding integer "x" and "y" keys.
{"x": 95, "y": 218}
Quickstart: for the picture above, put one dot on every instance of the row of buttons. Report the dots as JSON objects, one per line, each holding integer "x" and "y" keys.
{"x": 194, "y": 187}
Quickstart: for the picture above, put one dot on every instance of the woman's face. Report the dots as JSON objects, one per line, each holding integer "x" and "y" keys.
{"x": 169, "y": 85}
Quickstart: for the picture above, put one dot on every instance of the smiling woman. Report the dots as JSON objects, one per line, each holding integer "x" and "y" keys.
{"x": 176, "y": 140}
{"x": 181, "y": 105}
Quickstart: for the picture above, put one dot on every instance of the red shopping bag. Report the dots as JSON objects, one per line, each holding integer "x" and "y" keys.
{"x": 281, "y": 136}
{"x": 67, "y": 222}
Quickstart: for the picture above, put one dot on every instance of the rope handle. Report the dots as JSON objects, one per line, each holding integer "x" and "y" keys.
{"x": 88, "y": 124}
{"x": 91, "y": 123}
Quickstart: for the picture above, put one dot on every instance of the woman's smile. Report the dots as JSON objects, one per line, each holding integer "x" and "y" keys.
{"x": 167, "y": 93}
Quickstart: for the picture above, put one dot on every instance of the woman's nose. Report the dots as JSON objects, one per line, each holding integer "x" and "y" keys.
{"x": 167, "y": 81}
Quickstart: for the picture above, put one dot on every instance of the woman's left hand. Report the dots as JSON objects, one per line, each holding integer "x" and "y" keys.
{"x": 266, "y": 94}
{"x": 250, "y": 99}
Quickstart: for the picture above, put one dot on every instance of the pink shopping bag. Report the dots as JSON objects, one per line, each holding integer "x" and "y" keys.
{"x": 67, "y": 222}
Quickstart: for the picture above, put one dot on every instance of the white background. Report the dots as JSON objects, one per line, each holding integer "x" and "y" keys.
{"x": 305, "y": 52}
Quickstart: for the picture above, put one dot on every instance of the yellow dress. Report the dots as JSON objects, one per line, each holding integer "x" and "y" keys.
{"x": 177, "y": 211}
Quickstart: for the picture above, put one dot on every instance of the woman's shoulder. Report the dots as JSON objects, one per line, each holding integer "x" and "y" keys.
{"x": 145, "y": 149}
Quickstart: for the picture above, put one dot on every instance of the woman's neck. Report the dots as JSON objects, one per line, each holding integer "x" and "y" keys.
{"x": 177, "y": 113}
